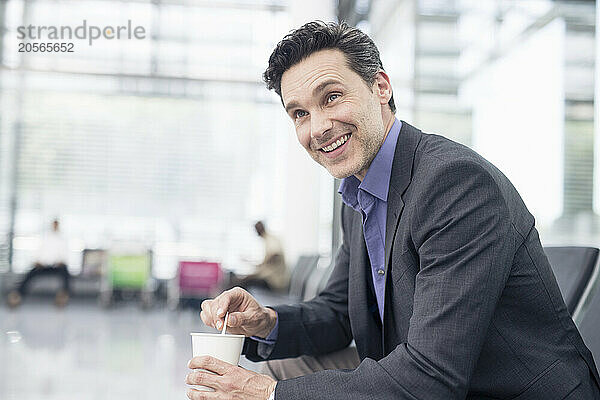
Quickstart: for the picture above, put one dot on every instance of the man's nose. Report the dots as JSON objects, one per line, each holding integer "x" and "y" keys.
{"x": 319, "y": 125}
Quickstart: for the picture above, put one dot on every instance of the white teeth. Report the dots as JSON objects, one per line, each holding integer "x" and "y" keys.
{"x": 337, "y": 144}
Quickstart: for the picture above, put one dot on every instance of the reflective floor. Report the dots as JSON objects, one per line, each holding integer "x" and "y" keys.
{"x": 85, "y": 352}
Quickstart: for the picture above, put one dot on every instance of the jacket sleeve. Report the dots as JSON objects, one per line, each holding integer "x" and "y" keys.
{"x": 465, "y": 241}
{"x": 318, "y": 326}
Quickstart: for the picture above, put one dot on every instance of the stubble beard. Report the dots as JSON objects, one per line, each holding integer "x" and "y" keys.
{"x": 365, "y": 148}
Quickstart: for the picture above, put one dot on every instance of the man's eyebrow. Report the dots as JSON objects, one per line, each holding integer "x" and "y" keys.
{"x": 324, "y": 84}
{"x": 290, "y": 105}
{"x": 316, "y": 90}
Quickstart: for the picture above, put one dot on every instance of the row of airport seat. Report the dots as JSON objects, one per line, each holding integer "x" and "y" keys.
{"x": 577, "y": 271}
{"x": 103, "y": 274}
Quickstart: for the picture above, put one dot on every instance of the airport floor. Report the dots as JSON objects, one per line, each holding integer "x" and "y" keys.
{"x": 85, "y": 352}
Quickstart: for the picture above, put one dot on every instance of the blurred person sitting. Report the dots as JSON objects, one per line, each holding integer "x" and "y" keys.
{"x": 272, "y": 272}
{"x": 51, "y": 259}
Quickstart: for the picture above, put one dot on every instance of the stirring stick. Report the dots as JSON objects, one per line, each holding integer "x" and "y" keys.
{"x": 225, "y": 323}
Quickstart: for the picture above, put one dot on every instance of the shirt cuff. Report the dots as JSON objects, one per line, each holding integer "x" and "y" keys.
{"x": 272, "y": 336}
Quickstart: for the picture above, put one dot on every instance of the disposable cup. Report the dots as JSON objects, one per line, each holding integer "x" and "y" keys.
{"x": 226, "y": 348}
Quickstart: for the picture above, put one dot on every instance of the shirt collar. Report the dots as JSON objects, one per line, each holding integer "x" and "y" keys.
{"x": 377, "y": 179}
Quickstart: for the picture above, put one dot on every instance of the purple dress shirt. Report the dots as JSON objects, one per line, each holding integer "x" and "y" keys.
{"x": 369, "y": 197}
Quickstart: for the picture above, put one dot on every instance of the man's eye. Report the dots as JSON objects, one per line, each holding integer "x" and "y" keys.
{"x": 300, "y": 114}
{"x": 332, "y": 97}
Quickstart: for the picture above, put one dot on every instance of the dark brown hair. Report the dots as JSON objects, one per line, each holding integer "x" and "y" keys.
{"x": 361, "y": 53}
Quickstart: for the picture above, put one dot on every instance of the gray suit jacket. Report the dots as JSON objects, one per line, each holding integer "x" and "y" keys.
{"x": 472, "y": 309}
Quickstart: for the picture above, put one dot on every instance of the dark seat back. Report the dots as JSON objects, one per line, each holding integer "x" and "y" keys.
{"x": 573, "y": 268}
{"x": 313, "y": 283}
{"x": 588, "y": 322}
{"x": 304, "y": 267}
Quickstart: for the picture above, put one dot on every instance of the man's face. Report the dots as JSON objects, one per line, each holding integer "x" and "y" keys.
{"x": 331, "y": 105}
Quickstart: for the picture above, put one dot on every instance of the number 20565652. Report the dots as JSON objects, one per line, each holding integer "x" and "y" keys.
{"x": 46, "y": 47}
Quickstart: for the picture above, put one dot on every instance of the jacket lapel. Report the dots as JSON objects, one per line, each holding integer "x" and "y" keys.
{"x": 404, "y": 155}
{"x": 401, "y": 176}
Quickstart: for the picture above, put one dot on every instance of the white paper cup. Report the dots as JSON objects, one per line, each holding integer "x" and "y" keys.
{"x": 227, "y": 348}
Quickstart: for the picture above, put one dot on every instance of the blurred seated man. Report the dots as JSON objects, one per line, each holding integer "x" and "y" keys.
{"x": 271, "y": 273}
{"x": 51, "y": 259}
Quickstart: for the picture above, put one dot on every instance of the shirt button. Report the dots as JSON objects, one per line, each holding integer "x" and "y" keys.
{"x": 380, "y": 271}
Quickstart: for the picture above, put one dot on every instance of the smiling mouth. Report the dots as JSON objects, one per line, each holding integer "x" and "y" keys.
{"x": 336, "y": 144}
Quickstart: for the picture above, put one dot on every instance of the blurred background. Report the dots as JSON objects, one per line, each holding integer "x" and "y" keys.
{"x": 170, "y": 148}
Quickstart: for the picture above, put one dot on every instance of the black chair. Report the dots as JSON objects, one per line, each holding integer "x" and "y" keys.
{"x": 573, "y": 268}
{"x": 302, "y": 271}
{"x": 312, "y": 287}
{"x": 588, "y": 322}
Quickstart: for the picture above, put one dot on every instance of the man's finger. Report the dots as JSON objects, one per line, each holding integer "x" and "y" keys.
{"x": 204, "y": 378}
{"x": 223, "y": 304}
{"x": 194, "y": 394}
{"x": 235, "y": 298}
{"x": 211, "y": 364}
{"x": 206, "y": 304}
{"x": 229, "y": 301}
{"x": 206, "y": 314}
{"x": 237, "y": 319}
{"x": 206, "y": 318}
{"x": 197, "y": 377}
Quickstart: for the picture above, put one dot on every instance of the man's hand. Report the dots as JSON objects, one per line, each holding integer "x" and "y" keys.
{"x": 246, "y": 316}
{"x": 228, "y": 381}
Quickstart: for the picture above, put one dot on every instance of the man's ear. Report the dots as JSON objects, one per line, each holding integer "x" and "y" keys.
{"x": 382, "y": 87}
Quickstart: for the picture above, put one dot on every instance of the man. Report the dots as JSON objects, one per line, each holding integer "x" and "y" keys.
{"x": 51, "y": 259}
{"x": 272, "y": 272}
{"x": 441, "y": 279}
